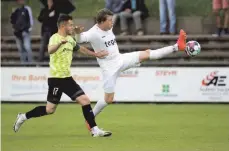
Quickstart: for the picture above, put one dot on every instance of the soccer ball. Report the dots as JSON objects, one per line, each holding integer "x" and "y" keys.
{"x": 192, "y": 48}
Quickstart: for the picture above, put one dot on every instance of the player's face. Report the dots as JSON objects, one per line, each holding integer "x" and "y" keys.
{"x": 108, "y": 24}
{"x": 69, "y": 27}
{"x": 21, "y": 2}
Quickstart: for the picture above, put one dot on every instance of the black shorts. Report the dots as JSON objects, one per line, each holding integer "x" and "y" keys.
{"x": 57, "y": 86}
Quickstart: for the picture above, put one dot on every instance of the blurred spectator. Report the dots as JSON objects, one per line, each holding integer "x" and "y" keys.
{"x": 22, "y": 22}
{"x": 170, "y": 4}
{"x": 217, "y": 6}
{"x": 116, "y": 7}
{"x": 137, "y": 10}
{"x": 48, "y": 17}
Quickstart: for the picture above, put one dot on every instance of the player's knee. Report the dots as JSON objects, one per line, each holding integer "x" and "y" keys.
{"x": 109, "y": 99}
{"x": 50, "y": 110}
{"x": 147, "y": 52}
{"x": 83, "y": 100}
{"x": 144, "y": 55}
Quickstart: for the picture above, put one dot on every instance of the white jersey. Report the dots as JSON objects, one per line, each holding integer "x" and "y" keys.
{"x": 103, "y": 40}
{"x": 115, "y": 62}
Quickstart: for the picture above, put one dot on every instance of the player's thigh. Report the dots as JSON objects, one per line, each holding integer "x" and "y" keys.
{"x": 71, "y": 88}
{"x": 130, "y": 60}
{"x": 54, "y": 90}
{"x": 109, "y": 80}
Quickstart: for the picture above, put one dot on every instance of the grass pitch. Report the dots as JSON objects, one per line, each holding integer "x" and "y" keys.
{"x": 135, "y": 127}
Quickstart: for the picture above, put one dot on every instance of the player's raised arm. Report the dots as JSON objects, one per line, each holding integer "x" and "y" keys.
{"x": 80, "y": 36}
{"x": 77, "y": 31}
{"x": 53, "y": 48}
{"x": 100, "y": 54}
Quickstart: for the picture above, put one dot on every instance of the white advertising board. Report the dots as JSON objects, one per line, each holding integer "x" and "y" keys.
{"x": 142, "y": 84}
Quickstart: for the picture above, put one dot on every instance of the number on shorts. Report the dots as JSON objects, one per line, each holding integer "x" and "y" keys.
{"x": 55, "y": 90}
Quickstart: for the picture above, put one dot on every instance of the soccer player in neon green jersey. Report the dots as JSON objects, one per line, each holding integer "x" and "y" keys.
{"x": 61, "y": 47}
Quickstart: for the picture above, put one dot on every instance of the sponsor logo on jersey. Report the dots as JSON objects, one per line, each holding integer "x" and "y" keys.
{"x": 110, "y": 43}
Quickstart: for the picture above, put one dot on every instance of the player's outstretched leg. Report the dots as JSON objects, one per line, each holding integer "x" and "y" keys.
{"x": 159, "y": 53}
{"x": 36, "y": 112}
{"x": 102, "y": 103}
{"x": 90, "y": 118}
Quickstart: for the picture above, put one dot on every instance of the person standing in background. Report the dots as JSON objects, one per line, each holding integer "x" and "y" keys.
{"x": 137, "y": 10}
{"x": 48, "y": 17}
{"x": 163, "y": 5}
{"x": 22, "y": 21}
{"x": 217, "y": 6}
{"x": 116, "y": 7}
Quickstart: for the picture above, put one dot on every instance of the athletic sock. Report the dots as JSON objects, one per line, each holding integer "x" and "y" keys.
{"x": 94, "y": 129}
{"x": 24, "y": 117}
{"x": 159, "y": 53}
{"x": 99, "y": 107}
{"x": 88, "y": 115}
{"x": 226, "y": 31}
{"x": 36, "y": 112}
{"x": 219, "y": 30}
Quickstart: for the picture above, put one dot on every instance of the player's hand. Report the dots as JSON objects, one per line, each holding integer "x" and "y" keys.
{"x": 102, "y": 54}
{"x": 63, "y": 42}
{"x": 78, "y": 29}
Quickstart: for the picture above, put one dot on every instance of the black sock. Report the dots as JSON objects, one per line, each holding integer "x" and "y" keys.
{"x": 219, "y": 30}
{"x": 89, "y": 115}
{"x": 226, "y": 30}
{"x": 36, "y": 112}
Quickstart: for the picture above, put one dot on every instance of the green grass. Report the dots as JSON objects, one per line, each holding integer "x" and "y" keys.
{"x": 135, "y": 128}
{"x": 88, "y": 8}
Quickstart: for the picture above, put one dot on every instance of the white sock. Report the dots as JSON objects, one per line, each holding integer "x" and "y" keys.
{"x": 24, "y": 117}
{"x": 99, "y": 106}
{"x": 94, "y": 129}
{"x": 159, "y": 53}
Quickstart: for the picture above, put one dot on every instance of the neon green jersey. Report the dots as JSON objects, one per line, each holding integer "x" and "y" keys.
{"x": 60, "y": 61}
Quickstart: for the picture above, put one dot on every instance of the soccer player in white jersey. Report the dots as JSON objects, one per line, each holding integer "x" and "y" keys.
{"x": 101, "y": 37}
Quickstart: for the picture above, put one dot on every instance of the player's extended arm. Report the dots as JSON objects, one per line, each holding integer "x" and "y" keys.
{"x": 81, "y": 38}
{"x": 53, "y": 48}
{"x": 78, "y": 36}
{"x": 100, "y": 54}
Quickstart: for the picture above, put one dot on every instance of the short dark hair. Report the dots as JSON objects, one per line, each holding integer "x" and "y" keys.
{"x": 102, "y": 15}
{"x": 63, "y": 18}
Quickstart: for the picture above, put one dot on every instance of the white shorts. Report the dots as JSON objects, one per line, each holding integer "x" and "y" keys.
{"x": 129, "y": 60}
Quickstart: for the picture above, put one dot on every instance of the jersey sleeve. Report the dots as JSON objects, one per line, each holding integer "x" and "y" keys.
{"x": 53, "y": 40}
{"x": 85, "y": 37}
{"x": 30, "y": 16}
{"x": 76, "y": 48}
